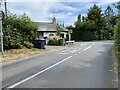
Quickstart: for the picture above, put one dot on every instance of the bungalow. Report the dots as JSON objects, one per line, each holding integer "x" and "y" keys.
{"x": 47, "y": 29}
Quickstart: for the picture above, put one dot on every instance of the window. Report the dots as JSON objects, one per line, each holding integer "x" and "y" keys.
{"x": 51, "y": 34}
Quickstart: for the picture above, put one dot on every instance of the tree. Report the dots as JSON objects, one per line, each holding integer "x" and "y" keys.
{"x": 117, "y": 28}
{"x": 59, "y": 29}
{"x": 95, "y": 16}
{"x": 110, "y": 23}
{"x": 109, "y": 14}
{"x": 118, "y": 6}
{"x": 78, "y": 22}
{"x": 83, "y": 18}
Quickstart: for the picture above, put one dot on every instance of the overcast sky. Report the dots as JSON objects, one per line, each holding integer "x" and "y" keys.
{"x": 65, "y": 12}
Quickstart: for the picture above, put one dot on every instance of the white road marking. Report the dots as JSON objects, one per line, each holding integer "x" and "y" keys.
{"x": 80, "y": 51}
{"x": 110, "y": 70}
{"x": 85, "y": 49}
{"x": 28, "y": 78}
{"x": 85, "y": 44}
{"x": 34, "y": 75}
{"x": 73, "y": 51}
{"x": 62, "y": 53}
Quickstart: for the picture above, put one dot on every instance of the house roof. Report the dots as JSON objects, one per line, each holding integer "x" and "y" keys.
{"x": 46, "y": 26}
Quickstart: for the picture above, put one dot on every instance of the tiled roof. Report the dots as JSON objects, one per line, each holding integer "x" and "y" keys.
{"x": 45, "y": 26}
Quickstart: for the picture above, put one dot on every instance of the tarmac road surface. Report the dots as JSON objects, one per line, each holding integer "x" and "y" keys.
{"x": 83, "y": 65}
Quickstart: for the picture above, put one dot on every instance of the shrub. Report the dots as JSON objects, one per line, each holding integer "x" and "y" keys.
{"x": 28, "y": 44}
{"x": 18, "y": 29}
{"x": 117, "y": 36}
{"x": 54, "y": 40}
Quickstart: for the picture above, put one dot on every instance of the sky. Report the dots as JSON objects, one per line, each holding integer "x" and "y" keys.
{"x": 65, "y": 11}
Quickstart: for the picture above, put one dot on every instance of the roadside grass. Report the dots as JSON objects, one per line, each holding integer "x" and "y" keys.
{"x": 117, "y": 55}
{"x": 19, "y": 53}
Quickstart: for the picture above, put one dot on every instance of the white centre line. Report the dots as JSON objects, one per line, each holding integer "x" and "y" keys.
{"x": 28, "y": 78}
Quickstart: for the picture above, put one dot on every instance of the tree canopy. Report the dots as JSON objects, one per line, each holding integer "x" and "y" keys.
{"x": 96, "y": 25}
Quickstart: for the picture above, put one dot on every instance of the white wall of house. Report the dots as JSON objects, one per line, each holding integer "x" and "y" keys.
{"x": 65, "y": 35}
{"x": 47, "y": 34}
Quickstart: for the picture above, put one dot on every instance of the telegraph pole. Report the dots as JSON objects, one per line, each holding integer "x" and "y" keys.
{"x": 1, "y": 33}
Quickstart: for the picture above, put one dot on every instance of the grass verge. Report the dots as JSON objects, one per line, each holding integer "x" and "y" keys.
{"x": 117, "y": 54}
{"x": 119, "y": 68}
{"x": 14, "y": 54}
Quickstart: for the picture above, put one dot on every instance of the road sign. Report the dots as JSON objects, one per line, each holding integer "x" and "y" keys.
{"x": 2, "y": 15}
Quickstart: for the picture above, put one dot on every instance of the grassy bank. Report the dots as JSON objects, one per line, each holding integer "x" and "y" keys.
{"x": 19, "y": 53}
{"x": 117, "y": 55}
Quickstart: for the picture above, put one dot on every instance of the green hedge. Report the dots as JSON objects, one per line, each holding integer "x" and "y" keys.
{"x": 117, "y": 44}
{"x": 18, "y": 31}
{"x": 59, "y": 42}
{"x": 53, "y": 42}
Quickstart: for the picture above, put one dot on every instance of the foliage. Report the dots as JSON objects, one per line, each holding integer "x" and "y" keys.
{"x": 27, "y": 44}
{"x": 109, "y": 14}
{"x": 59, "y": 29}
{"x": 95, "y": 26}
{"x": 117, "y": 38}
{"x": 16, "y": 30}
{"x": 54, "y": 40}
{"x": 117, "y": 30}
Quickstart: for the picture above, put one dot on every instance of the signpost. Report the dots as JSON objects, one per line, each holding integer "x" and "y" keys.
{"x": 1, "y": 33}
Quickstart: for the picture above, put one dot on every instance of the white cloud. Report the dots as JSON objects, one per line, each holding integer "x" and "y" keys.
{"x": 69, "y": 13}
{"x": 44, "y": 11}
{"x": 62, "y": 0}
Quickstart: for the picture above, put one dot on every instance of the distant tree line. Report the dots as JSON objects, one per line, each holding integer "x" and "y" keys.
{"x": 18, "y": 31}
{"x": 96, "y": 25}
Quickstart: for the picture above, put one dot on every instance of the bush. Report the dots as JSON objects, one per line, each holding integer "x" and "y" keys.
{"x": 16, "y": 30}
{"x": 28, "y": 44}
{"x": 117, "y": 44}
{"x": 117, "y": 36}
{"x": 54, "y": 40}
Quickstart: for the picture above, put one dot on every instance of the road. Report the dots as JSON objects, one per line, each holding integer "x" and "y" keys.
{"x": 83, "y": 65}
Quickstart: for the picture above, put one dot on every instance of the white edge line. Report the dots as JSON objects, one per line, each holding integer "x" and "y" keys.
{"x": 34, "y": 75}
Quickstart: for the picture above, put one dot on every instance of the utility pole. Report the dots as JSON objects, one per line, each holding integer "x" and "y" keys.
{"x": 1, "y": 33}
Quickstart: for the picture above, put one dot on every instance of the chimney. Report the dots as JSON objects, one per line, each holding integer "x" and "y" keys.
{"x": 54, "y": 20}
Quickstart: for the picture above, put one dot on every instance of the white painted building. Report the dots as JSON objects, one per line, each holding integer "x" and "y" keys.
{"x": 47, "y": 29}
